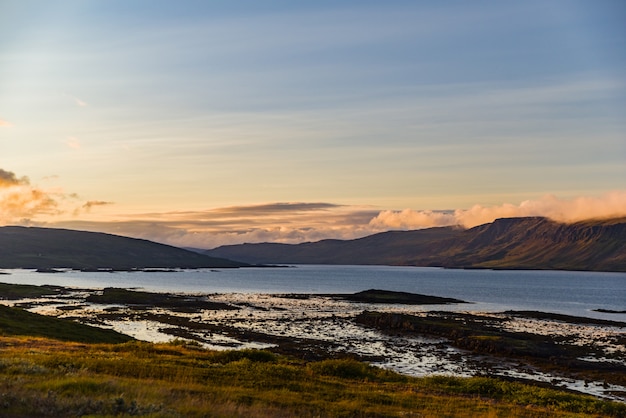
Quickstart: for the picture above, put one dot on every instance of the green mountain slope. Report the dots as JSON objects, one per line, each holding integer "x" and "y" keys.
{"x": 512, "y": 243}
{"x": 56, "y": 248}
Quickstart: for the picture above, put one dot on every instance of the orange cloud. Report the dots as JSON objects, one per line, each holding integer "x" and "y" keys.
{"x": 8, "y": 179}
{"x": 563, "y": 210}
{"x": 301, "y": 222}
{"x": 275, "y": 222}
{"x": 411, "y": 219}
{"x": 5, "y": 124}
{"x": 21, "y": 202}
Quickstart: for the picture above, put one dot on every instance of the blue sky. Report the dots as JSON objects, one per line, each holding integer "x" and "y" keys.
{"x": 124, "y": 113}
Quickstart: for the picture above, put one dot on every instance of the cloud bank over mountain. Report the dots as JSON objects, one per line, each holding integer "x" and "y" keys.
{"x": 286, "y": 222}
{"x": 301, "y": 222}
{"x": 609, "y": 205}
{"x": 23, "y": 203}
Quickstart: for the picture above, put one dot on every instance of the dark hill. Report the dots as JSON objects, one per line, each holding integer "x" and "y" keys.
{"x": 511, "y": 243}
{"x": 539, "y": 243}
{"x": 45, "y": 248}
{"x": 394, "y": 247}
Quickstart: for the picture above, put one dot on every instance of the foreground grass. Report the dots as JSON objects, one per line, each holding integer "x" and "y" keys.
{"x": 43, "y": 377}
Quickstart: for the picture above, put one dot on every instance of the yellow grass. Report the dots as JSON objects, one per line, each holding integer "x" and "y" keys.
{"x": 42, "y": 377}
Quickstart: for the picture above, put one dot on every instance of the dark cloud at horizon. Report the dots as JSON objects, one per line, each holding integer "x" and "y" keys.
{"x": 278, "y": 207}
{"x": 91, "y": 203}
{"x": 8, "y": 178}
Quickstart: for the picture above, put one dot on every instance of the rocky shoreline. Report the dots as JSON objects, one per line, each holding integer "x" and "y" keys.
{"x": 409, "y": 333}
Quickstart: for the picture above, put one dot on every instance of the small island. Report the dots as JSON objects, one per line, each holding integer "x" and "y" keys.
{"x": 610, "y": 311}
{"x": 392, "y": 297}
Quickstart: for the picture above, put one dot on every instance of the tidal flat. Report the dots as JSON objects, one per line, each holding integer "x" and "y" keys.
{"x": 419, "y": 338}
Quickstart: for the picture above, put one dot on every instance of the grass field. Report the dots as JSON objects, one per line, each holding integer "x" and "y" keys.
{"x": 52, "y": 367}
{"x": 44, "y": 377}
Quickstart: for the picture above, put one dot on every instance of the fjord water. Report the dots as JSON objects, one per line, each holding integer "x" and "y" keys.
{"x": 566, "y": 292}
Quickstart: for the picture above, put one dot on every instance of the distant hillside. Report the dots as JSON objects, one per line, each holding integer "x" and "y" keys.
{"x": 45, "y": 248}
{"x": 539, "y": 243}
{"x": 511, "y": 243}
{"x": 394, "y": 247}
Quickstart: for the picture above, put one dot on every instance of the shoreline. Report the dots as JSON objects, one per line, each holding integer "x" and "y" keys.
{"x": 316, "y": 326}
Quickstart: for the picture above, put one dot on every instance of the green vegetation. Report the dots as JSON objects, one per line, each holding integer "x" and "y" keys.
{"x": 22, "y": 291}
{"x": 14, "y": 321}
{"x": 65, "y": 376}
{"x": 387, "y": 296}
{"x": 136, "y": 299}
{"x": 52, "y": 367}
{"x": 41, "y": 377}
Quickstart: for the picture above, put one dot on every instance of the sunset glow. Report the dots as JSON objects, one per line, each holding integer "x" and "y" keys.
{"x": 207, "y": 123}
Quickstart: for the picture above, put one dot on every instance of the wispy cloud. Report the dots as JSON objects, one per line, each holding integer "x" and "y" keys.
{"x": 275, "y": 222}
{"x": 73, "y": 142}
{"x": 273, "y": 208}
{"x": 76, "y": 100}
{"x": 86, "y": 208}
{"x": 609, "y": 205}
{"x": 5, "y": 124}
{"x": 93, "y": 203}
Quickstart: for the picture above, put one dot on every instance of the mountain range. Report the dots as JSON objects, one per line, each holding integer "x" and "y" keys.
{"x": 48, "y": 248}
{"x": 508, "y": 243}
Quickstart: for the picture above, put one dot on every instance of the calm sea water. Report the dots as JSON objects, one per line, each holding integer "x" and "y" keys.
{"x": 573, "y": 293}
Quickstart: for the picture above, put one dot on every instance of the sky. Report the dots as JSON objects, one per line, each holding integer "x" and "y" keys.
{"x": 203, "y": 123}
